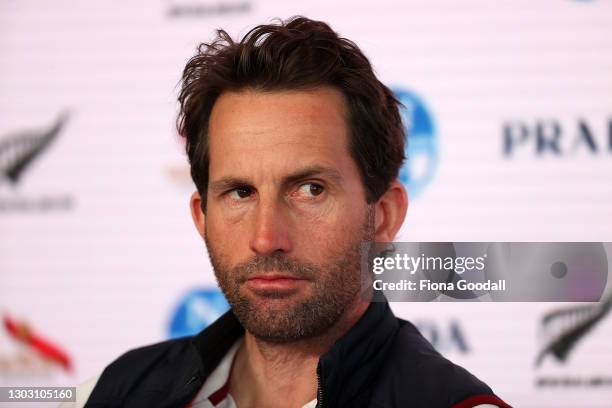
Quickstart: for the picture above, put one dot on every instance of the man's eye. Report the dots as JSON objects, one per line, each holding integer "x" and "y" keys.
{"x": 311, "y": 189}
{"x": 240, "y": 193}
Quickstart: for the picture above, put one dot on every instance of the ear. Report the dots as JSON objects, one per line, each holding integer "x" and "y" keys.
{"x": 198, "y": 216}
{"x": 390, "y": 211}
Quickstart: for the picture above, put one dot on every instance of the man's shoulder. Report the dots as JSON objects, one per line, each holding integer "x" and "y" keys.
{"x": 411, "y": 349}
{"x": 414, "y": 371}
{"x": 142, "y": 358}
{"x": 142, "y": 368}
{"x": 125, "y": 371}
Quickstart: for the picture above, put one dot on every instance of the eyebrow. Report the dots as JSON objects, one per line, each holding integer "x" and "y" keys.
{"x": 230, "y": 182}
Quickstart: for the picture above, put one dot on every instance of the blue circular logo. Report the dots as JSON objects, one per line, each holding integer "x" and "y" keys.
{"x": 422, "y": 145}
{"x": 197, "y": 310}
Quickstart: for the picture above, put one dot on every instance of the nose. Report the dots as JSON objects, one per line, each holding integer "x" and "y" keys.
{"x": 271, "y": 229}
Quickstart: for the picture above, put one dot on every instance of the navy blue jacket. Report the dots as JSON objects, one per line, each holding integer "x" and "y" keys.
{"x": 382, "y": 361}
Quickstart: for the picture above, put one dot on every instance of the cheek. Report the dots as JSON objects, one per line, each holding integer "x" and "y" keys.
{"x": 332, "y": 227}
{"x": 221, "y": 235}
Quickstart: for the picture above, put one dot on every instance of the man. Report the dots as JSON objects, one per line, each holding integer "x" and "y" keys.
{"x": 295, "y": 149}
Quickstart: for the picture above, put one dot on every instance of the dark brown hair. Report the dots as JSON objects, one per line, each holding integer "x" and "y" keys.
{"x": 296, "y": 54}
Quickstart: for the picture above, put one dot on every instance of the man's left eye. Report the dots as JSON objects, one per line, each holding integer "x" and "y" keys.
{"x": 311, "y": 189}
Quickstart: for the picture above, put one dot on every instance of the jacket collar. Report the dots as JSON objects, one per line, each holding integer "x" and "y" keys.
{"x": 345, "y": 371}
{"x": 349, "y": 368}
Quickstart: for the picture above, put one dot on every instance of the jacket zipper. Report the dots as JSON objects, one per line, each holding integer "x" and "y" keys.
{"x": 319, "y": 389}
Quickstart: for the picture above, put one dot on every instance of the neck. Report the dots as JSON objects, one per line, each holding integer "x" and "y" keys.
{"x": 263, "y": 371}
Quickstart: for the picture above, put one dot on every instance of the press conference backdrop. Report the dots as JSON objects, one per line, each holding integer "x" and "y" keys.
{"x": 509, "y": 109}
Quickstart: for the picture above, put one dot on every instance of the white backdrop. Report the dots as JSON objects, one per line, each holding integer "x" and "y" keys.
{"x": 97, "y": 249}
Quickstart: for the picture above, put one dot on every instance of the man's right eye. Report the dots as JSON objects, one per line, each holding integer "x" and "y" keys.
{"x": 240, "y": 193}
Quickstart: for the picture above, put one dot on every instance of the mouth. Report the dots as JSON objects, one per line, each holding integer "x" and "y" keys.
{"x": 274, "y": 282}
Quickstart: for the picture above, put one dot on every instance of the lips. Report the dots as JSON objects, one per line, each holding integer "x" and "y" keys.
{"x": 274, "y": 282}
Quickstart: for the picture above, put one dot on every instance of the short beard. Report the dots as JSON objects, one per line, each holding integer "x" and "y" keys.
{"x": 335, "y": 286}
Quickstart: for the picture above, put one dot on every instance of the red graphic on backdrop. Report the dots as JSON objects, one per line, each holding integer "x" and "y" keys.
{"x": 25, "y": 335}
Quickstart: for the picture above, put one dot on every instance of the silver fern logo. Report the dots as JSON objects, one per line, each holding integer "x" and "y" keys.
{"x": 18, "y": 152}
{"x": 562, "y": 329}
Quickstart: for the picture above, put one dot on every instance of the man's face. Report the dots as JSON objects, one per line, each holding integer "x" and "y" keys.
{"x": 286, "y": 210}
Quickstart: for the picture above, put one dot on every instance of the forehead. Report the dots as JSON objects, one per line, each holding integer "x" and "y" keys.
{"x": 300, "y": 126}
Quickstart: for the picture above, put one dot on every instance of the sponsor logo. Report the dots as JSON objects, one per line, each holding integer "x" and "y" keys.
{"x": 561, "y": 331}
{"x": 445, "y": 338}
{"x": 422, "y": 143}
{"x": 18, "y": 153}
{"x": 35, "y": 355}
{"x": 182, "y": 9}
{"x": 555, "y": 138}
{"x": 197, "y": 310}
